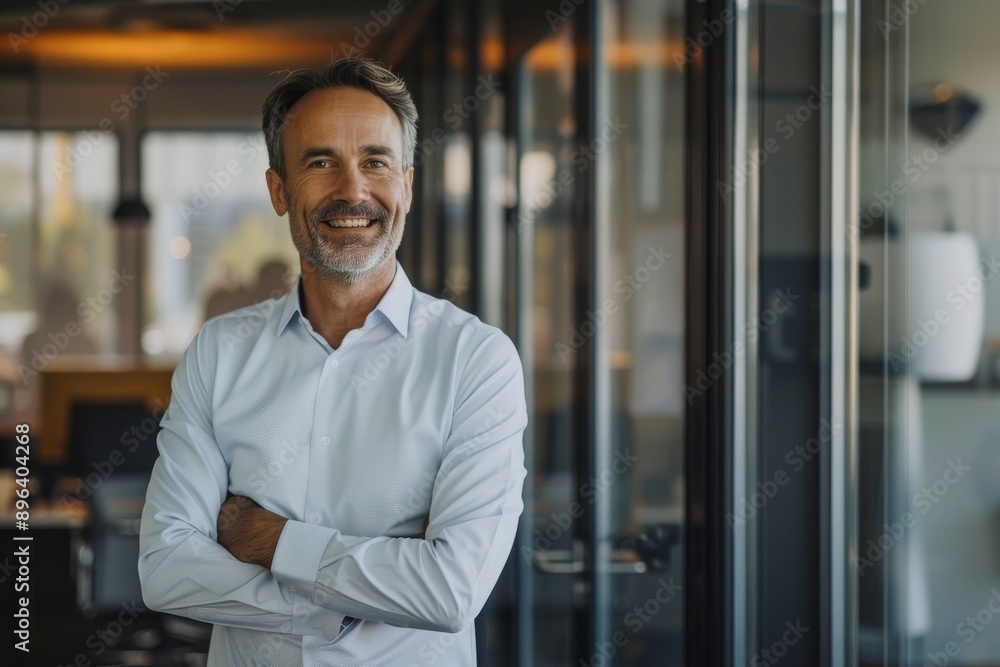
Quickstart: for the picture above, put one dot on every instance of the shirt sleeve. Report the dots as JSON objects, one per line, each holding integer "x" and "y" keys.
{"x": 182, "y": 569}
{"x": 441, "y": 582}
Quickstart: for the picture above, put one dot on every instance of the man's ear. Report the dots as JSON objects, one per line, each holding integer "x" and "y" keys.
{"x": 408, "y": 179}
{"x": 276, "y": 188}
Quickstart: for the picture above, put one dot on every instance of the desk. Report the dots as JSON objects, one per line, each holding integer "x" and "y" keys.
{"x": 62, "y": 386}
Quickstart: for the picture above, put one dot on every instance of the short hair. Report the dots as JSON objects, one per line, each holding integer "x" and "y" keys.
{"x": 353, "y": 72}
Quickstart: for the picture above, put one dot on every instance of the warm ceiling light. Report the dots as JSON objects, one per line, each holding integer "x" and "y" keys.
{"x": 177, "y": 48}
{"x": 620, "y": 55}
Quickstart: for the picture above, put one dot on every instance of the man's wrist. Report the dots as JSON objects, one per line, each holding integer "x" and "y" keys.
{"x": 299, "y": 555}
{"x": 269, "y": 536}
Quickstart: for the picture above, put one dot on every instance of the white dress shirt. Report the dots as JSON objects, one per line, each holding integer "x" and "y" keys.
{"x": 419, "y": 414}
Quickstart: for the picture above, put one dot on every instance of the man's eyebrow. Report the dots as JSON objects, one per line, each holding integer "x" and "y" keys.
{"x": 367, "y": 150}
{"x": 376, "y": 149}
{"x": 315, "y": 151}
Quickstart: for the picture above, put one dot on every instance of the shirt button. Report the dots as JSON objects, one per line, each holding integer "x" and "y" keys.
{"x": 324, "y": 440}
{"x": 316, "y": 627}
{"x": 291, "y": 589}
{"x": 316, "y": 518}
{"x": 334, "y": 363}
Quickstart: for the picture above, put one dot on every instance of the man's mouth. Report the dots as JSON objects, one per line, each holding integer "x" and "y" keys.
{"x": 349, "y": 222}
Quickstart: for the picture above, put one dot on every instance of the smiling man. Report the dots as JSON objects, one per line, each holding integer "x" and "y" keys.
{"x": 290, "y": 505}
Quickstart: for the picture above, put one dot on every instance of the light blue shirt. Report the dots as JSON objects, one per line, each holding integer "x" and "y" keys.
{"x": 418, "y": 414}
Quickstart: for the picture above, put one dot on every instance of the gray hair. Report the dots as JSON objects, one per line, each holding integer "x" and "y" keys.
{"x": 361, "y": 73}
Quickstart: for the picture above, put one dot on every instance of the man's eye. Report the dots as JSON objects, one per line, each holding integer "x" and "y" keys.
{"x": 321, "y": 164}
{"x": 378, "y": 164}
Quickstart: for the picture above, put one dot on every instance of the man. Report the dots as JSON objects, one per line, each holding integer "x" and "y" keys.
{"x": 367, "y": 435}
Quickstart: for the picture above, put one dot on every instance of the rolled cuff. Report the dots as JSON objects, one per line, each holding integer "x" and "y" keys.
{"x": 296, "y": 565}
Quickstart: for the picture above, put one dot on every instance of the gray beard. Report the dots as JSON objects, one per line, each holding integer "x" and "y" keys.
{"x": 349, "y": 262}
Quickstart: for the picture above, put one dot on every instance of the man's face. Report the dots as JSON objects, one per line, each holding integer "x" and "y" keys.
{"x": 345, "y": 190}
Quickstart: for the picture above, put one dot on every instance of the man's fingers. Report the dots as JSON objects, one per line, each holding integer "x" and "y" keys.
{"x": 230, "y": 510}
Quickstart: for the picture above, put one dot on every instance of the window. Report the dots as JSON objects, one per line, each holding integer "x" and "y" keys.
{"x": 215, "y": 243}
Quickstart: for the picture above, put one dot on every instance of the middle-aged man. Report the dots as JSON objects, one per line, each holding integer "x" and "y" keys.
{"x": 340, "y": 469}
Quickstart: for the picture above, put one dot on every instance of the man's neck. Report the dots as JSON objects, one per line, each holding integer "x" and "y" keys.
{"x": 334, "y": 307}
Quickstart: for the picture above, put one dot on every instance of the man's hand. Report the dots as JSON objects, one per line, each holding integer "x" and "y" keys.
{"x": 248, "y": 531}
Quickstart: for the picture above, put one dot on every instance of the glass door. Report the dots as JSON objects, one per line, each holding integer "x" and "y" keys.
{"x": 553, "y": 527}
{"x": 928, "y": 221}
{"x": 638, "y": 317}
{"x": 601, "y": 326}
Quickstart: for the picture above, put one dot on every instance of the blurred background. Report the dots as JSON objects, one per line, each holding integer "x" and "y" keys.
{"x": 134, "y": 207}
{"x": 746, "y": 249}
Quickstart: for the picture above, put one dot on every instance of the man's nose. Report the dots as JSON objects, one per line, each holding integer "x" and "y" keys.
{"x": 350, "y": 186}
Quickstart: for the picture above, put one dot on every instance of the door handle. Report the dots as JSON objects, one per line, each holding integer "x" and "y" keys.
{"x": 566, "y": 561}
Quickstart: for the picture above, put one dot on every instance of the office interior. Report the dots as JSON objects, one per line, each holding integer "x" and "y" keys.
{"x": 745, "y": 248}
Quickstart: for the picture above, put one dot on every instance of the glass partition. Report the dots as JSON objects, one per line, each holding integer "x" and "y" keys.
{"x": 550, "y": 528}
{"x": 929, "y": 222}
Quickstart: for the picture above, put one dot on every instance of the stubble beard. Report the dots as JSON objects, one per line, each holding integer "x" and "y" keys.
{"x": 352, "y": 258}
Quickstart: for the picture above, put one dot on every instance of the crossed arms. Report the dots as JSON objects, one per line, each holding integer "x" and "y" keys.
{"x": 234, "y": 563}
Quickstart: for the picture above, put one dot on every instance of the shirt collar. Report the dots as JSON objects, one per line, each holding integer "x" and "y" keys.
{"x": 395, "y": 303}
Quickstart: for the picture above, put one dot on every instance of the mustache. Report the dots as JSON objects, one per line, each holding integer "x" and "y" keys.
{"x": 340, "y": 209}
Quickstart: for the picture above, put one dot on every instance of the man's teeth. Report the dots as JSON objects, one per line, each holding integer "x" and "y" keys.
{"x": 356, "y": 222}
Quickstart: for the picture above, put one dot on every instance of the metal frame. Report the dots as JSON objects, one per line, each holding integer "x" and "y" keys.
{"x": 745, "y": 288}
{"x": 838, "y": 333}
{"x": 708, "y": 427}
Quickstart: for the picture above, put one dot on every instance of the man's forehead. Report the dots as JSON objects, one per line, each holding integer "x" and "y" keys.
{"x": 330, "y": 105}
